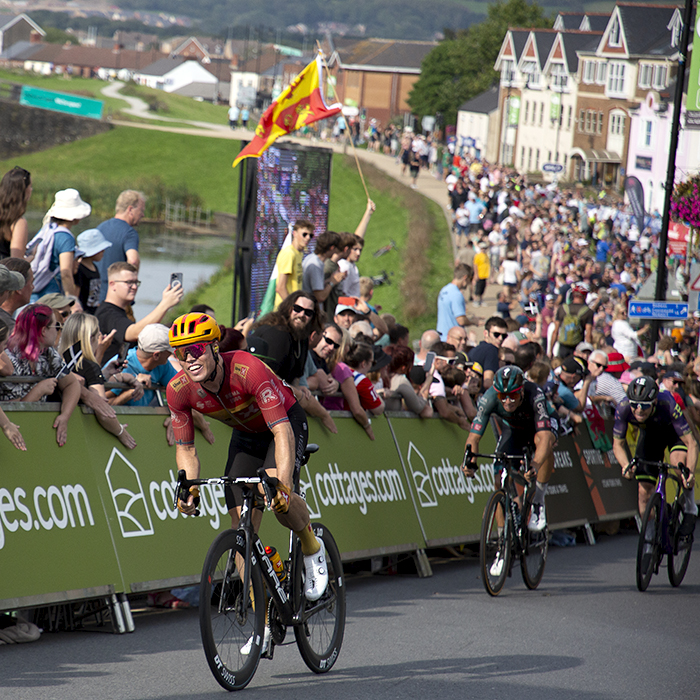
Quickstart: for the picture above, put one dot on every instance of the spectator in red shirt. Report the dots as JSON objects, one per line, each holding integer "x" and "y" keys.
{"x": 360, "y": 358}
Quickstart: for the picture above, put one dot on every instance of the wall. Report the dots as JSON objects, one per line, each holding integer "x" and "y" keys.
{"x": 27, "y": 129}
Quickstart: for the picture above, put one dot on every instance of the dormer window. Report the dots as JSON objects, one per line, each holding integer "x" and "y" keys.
{"x": 614, "y": 37}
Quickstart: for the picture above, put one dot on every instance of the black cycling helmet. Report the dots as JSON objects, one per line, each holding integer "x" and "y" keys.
{"x": 642, "y": 389}
{"x": 507, "y": 379}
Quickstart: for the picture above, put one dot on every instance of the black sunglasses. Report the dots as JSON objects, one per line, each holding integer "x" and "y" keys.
{"x": 301, "y": 310}
{"x": 598, "y": 364}
{"x": 496, "y": 334}
{"x": 331, "y": 342}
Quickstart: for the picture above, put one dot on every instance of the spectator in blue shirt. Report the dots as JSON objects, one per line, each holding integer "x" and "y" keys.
{"x": 149, "y": 363}
{"x": 451, "y": 307}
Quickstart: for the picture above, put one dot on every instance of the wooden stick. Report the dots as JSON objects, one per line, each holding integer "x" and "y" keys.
{"x": 347, "y": 129}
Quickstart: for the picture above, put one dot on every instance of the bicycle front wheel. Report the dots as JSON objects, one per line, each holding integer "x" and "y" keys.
{"x": 231, "y": 620}
{"x": 648, "y": 548}
{"x": 320, "y": 634}
{"x": 679, "y": 557}
{"x": 534, "y": 554}
{"x": 495, "y": 545}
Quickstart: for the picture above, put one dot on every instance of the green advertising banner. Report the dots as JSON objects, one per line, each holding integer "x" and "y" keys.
{"x": 357, "y": 487}
{"x": 55, "y": 542}
{"x": 449, "y": 506}
{"x": 61, "y": 102}
{"x": 513, "y": 111}
{"x": 555, "y": 106}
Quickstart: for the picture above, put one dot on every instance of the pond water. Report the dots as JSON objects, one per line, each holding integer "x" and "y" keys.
{"x": 163, "y": 252}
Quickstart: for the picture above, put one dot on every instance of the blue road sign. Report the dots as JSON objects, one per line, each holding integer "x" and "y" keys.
{"x": 659, "y": 310}
{"x": 552, "y": 167}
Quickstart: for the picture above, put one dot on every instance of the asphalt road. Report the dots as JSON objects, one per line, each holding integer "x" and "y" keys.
{"x": 585, "y": 634}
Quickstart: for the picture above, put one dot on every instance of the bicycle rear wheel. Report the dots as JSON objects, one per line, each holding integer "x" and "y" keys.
{"x": 679, "y": 557}
{"x": 534, "y": 554}
{"x": 495, "y": 545}
{"x": 231, "y": 620}
{"x": 320, "y": 635}
{"x": 648, "y": 548}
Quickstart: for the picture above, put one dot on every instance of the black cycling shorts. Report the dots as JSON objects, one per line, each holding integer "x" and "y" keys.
{"x": 652, "y": 448}
{"x": 247, "y": 452}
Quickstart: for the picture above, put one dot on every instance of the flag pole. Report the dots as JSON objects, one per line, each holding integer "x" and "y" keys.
{"x": 347, "y": 130}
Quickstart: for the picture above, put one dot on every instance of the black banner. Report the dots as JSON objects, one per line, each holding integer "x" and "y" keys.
{"x": 635, "y": 192}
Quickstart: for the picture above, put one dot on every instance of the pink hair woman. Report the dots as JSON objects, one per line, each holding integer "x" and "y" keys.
{"x": 32, "y": 353}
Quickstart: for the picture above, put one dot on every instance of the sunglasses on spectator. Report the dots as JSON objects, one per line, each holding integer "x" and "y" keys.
{"x": 57, "y": 326}
{"x": 64, "y": 314}
{"x": 599, "y": 364}
{"x": 641, "y": 405}
{"x": 496, "y": 334}
{"x": 331, "y": 342}
{"x": 307, "y": 234}
{"x": 195, "y": 351}
{"x": 301, "y": 310}
{"x": 449, "y": 360}
{"x": 508, "y": 396}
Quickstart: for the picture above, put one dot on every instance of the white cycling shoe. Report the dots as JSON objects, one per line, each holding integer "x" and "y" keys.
{"x": 316, "y": 574}
{"x": 247, "y": 647}
{"x": 538, "y": 518}
{"x": 497, "y": 566}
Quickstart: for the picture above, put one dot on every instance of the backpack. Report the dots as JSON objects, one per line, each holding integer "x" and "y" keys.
{"x": 570, "y": 331}
{"x": 42, "y": 247}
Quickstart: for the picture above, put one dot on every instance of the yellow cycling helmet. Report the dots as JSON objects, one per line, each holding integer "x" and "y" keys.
{"x": 193, "y": 328}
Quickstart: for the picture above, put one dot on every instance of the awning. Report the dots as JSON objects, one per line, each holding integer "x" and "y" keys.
{"x": 593, "y": 155}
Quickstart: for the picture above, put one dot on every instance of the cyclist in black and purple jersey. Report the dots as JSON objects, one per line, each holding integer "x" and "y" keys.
{"x": 662, "y": 426}
{"x": 521, "y": 407}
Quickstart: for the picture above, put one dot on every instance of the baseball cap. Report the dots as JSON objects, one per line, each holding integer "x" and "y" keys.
{"x": 54, "y": 300}
{"x": 584, "y": 347}
{"x": 154, "y": 338}
{"x": 380, "y": 358}
{"x": 574, "y": 366}
{"x": 259, "y": 347}
{"x": 671, "y": 374}
{"x": 345, "y": 307}
{"x": 10, "y": 280}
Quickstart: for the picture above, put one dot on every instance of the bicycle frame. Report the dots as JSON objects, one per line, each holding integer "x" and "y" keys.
{"x": 287, "y": 600}
{"x": 665, "y": 472}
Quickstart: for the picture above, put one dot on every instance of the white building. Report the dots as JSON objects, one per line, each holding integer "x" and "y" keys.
{"x": 171, "y": 74}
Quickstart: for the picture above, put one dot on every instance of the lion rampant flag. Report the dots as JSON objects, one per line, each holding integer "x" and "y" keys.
{"x": 300, "y": 104}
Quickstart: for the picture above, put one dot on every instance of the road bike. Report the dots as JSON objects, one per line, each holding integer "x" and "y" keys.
{"x": 659, "y": 532}
{"x": 241, "y": 594}
{"x": 504, "y": 532}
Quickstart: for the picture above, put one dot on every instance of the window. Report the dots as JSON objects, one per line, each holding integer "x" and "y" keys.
{"x": 614, "y": 38}
{"x": 537, "y": 161}
{"x": 568, "y": 121}
{"x": 660, "y": 75}
{"x": 527, "y": 109}
{"x": 647, "y": 130}
{"x": 601, "y": 73}
{"x": 541, "y": 113}
{"x": 616, "y": 79}
{"x": 560, "y": 78}
{"x": 581, "y": 117}
{"x": 532, "y": 74}
{"x": 589, "y": 68}
{"x": 645, "y": 73}
{"x": 600, "y": 122}
{"x": 507, "y": 72}
{"x": 587, "y": 129}
{"x": 522, "y": 157}
{"x": 529, "y": 159}
{"x": 617, "y": 124}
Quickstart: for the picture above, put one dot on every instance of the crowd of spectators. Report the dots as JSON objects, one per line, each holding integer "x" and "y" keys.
{"x": 565, "y": 266}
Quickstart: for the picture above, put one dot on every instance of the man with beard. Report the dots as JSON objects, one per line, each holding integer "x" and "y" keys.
{"x": 286, "y": 332}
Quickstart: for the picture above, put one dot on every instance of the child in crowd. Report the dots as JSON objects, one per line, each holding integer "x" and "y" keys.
{"x": 92, "y": 244}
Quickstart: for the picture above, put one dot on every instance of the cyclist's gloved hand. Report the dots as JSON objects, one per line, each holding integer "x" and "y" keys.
{"x": 189, "y": 507}
{"x": 469, "y": 468}
{"x": 280, "y": 503}
{"x": 628, "y": 473}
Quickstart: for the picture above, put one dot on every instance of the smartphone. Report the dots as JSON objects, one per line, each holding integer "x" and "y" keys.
{"x": 175, "y": 279}
{"x": 121, "y": 357}
{"x": 429, "y": 359}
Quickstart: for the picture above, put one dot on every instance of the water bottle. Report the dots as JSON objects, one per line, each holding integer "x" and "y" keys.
{"x": 276, "y": 561}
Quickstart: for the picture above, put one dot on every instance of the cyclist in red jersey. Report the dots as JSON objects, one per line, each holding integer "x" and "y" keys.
{"x": 269, "y": 429}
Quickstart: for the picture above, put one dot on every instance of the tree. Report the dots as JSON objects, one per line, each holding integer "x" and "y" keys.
{"x": 461, "y": 67}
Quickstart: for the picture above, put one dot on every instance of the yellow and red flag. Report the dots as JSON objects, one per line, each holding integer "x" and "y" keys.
{"x": 300, "y": 104}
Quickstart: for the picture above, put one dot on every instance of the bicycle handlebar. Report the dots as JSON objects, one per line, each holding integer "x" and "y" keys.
{"x": 269, "y": 484}
{"x": 665, "y": 466}
{"x": 470, "y": 456}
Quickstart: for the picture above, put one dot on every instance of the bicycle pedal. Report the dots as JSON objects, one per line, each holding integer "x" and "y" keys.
{"x": 269, "y": 652}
